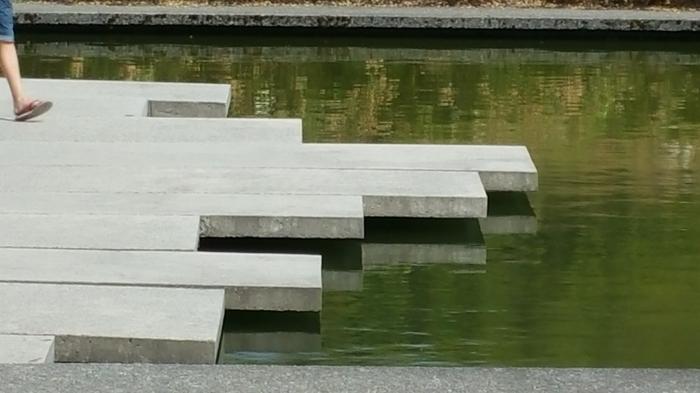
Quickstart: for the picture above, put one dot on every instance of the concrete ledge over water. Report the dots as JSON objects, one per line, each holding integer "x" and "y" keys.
{"x": 447, "y": 18}
{"x": 117, "y": 324}
{"x": 271, "y": 379}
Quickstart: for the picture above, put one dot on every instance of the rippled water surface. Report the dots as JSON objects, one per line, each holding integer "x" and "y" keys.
{"x": 607, "y": 274}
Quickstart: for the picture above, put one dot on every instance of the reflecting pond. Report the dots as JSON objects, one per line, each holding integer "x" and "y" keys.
{"x": 606, "y": 275}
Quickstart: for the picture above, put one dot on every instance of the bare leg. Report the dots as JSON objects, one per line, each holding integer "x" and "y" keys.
{"x": 10, "y": 67}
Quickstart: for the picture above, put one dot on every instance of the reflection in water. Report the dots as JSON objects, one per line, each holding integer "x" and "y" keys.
{"x": 609, "y": 277}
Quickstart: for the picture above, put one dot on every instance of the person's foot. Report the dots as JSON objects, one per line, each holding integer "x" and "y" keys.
{"x": 29, "y": 109}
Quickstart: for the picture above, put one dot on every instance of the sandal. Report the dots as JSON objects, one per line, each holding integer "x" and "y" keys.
{"x": 34, "y": 109}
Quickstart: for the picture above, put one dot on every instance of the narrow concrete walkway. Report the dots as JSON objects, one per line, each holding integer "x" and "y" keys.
{"x": 448, "y": 18}
{"x": 272, "y": 379}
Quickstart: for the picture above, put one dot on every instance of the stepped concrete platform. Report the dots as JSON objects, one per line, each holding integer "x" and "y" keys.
{"x": 385, "y": 193}
{"x": 24, "y": 349}
{"x": 101, "y": 129}
{"x": 80, "y": 378}
{"x": 220, "y": 215}
{"x": 117, "y": 324}
{"x": 87, "y": 98}
{"x": 501, "y": 168}
{"x": 251, "y": 281}
{"x": 69, "y": 231}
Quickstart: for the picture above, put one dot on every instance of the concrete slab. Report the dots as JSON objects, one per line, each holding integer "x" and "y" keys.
{"x": 85, "y": 108}
{"x": 501, "y": 168}
{"x": 221, "y": 215}
{"x": 188, "y": 99}
{"x": 342, "y": 280}
{"x": 508, "y": 225}
{"x": 377, "y": 254}
{"x": 117, "y": 324}
{"x": 147, "y": 130}
{"x": 554, "y": 21}
{"x": 385, "y": 193}
{"x": 22, "y": 349}
{"x": 99, "y": 232}
{"x": 274, "y": 282}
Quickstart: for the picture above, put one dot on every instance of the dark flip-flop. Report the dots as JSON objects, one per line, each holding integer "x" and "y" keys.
{"x": 34, "y": 109}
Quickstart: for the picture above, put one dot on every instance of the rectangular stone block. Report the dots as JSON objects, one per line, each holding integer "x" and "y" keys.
{"x": 117, "y": 324}
{"x": 132, "y": 130}
{"x": 275, "y": 282}
{"x": 342, "y": 280}
{"x": 116, "y": 232}
{"x": 25, "y": 349}
{"x": 508, "y": 225}
{"x": 374, "y": 254}
{"x": 394, "y": 193}
{"x": 501, "y": 168}
{"x": 222, "y": 215}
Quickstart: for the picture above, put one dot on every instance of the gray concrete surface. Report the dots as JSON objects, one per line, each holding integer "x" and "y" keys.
{"x": 221, "y": 215}
{"x": 273, "y": 379}
{"x": 378, "y": 254}
{"x": 501, "y": 168}
{"x": 342, "y": 280}
{"x": 24, "y": 349}
{"x": 70, "y": 231}
{"x": 36, "y": 14}
{"x": 508, "y": 225}
{"x": 385, "y": 193}
{"x": 148, "y": 130}
{"x": 90, "y": 98}
{"x": 117, "y": 324}
{"x": 275, "y": 282}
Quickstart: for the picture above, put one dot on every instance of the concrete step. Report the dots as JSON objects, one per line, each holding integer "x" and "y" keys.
{"x": 222, "y": 215}
{"x": 166, "y": 99}
{"x": 273, "y": 282}
{"x": 502, "y": 168}
{"x": 85, "y": 109}
{"x": 377, "y": 254}
{"x": 508, "y": 225}
{"x": 24, "y": 349}
{"x": 150, "y": 130}
{"x": 117, "y": 232}
{"x": 387, "y": 193}
{"x": 117, "y": 324}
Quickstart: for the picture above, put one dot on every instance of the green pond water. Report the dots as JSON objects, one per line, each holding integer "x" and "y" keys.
{"x": 606, "y": 273}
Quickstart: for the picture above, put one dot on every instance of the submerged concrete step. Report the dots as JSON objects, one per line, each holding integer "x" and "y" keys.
{"x": 502, "y": 168}
{"x": 25, "y": 349}
{"x": 375, "y": 254}
{"x": 117, "y": 324}
{"x": 274, "y": 282}
{"x": 147, "y": 130}
{"x": 385, "y": 192}
{"x": 508, "y": 225}
{"x": 222, "y": 215}
{"x": 99, "y": 232}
